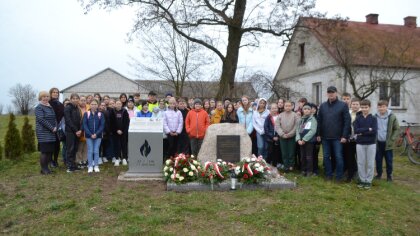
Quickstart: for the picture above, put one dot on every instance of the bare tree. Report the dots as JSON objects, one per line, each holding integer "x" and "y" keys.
{"x": 169, "y": 57}
{"x": 1, "y": 108}
{"x": 221, "y": 26}
{"x": 266, "y": 86}
{"x": 368, "y": 63}
{"x": 24, "y": 98}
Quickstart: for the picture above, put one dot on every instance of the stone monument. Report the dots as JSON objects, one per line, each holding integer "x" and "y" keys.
{"x": 209, "y": 150}
{"x": 145, "y": 154}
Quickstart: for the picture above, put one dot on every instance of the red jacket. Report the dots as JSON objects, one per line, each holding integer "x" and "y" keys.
{"x": 197, "y": 123}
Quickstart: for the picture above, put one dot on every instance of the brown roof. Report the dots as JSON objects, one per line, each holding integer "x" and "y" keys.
{"x": 202, "y": 89}
{"x": 368, "y": 44}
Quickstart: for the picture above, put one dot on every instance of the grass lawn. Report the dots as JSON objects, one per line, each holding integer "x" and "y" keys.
{"x": 79, "y": 204}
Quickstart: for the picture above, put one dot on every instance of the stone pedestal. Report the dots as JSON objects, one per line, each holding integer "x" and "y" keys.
{"x": 145, "y": 150}
{"x": 208, "y": 151}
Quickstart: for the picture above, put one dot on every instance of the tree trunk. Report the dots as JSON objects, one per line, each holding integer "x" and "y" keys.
{"x": 230, "y": 63}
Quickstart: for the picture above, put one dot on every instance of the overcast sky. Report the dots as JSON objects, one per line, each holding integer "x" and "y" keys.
{"x": 52, "y": 43}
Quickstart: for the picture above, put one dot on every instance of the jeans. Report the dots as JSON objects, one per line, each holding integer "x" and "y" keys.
{"x": 93, "y": 151}
{"x": 329, "y": 146}
{"x": 380, "y": 153}
{"x": 262, "y": 146}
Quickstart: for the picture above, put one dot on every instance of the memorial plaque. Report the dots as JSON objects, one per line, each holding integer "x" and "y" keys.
{"x": 229, "y": 148}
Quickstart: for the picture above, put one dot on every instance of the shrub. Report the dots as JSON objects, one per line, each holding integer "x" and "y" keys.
{"x": 1, "y": 152}
{"x": 28, "y": 137}
{"x": 12, "y": 142}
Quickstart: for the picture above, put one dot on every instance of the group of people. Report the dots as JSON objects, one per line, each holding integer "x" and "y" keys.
{"x": 94, "y": 129}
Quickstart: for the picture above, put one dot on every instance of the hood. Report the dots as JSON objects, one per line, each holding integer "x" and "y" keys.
{"x": 388, "y": 113}
{"x": 262, "y": 99}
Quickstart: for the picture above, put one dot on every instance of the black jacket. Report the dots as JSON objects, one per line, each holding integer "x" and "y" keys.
{"x": 269, "y": 129}
{"x": 228, "y": 118}
{"x": 119, "y": 121}
{"x": 334, "y": 120}
{"x": 361, "y": 129}
{"x": 58, "y": 108}
{"x": 72, "y": 118}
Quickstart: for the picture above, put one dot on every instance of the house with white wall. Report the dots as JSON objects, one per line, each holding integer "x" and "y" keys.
{"x": 353, "y": 56}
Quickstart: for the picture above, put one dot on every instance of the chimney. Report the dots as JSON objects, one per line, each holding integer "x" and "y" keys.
{"x": 372, "y": 19}
{"x": 410, "y": 21}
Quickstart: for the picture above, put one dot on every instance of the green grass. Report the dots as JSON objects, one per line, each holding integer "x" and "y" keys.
{"x": 79, "y": 204}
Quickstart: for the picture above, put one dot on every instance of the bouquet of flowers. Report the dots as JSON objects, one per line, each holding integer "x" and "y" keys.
{"x": 252, "y": 170}
{"x": 215, "y": 172}
{"x": 181, "y": 169}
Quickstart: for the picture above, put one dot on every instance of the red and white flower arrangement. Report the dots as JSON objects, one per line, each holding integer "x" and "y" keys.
{"x": 215, "y": 172}
{"x": 181, "y": 169}
{"x": 252, "y": 170}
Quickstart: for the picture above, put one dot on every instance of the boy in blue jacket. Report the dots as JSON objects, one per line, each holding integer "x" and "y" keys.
{"x": 365, "y": 127}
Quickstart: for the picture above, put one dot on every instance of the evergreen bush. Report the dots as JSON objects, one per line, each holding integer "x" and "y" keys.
{"x": 12, "y": 141}
{"x": 28, "y": 137}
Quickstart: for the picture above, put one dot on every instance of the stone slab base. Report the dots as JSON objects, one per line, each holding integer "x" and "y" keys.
{"x": 124, "y": 176}
{"x": 278, "y": 183}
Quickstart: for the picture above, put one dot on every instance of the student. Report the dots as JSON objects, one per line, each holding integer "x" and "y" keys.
{"x": 98, "y": 97}
{"x": 365, "y": 127}
{"x": 81, "y": 155}
{"x": 152, "y": 100}
{"x": 123, "y": 99}
{"x": 131, "y": 109}
{"x": 349, "y": 147}
{"x": 190, "y": 103}
{"x": 301, "y": 103}
{"x": 136, "y": 98}
{"x": 120, "y": 123}
{"x": 73, "y": 119}
{"x": 212, "y": 104}
{"x": 93, "y": 125}
{"x": 162, "y": 105}
{"x": 206, "y": 106}
{"x": 196, "y": 123}
{"x": 245, "y": 115}
{"x": 226, "y": 101}
{"x": 280, "y": 105}
{"x": 271, "y": 136}
{"x": 258, "y": 119}
{"x": 346, "y": 97}
{"x": 62, "y": 126}
{"x": 88, "y": 100}
{"x": 46, "y": 128}
{"x": 317, "y": 145}
{"x": 245, "y": 118}
{"x": 217, "y": 113}
{"x": 173, "y": 124}
{"x": 286, "y": 128}
{"x": 144, "y": 112}
{"x": 388, "y": 130}
{"x": 58, "y": 108}
{"x": 230, "y": 115}
{"x": 305, "y": 137}
{"x": 106, "y": 148}
{"x": 106, "y": 100}
{"x": 183, "y": 139}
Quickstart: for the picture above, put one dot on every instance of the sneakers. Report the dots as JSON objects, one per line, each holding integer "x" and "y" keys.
{"x": 117, "y": 162}
{"x": 104, "y": 160}
{"x": 100, "y": 161}
{"x": 360, "y": 184}
{"x": 90, "y": 169}
{"x": 70, "y": 170}
{"x": 389, "y": 178}
{"x": 96, "y": 169}
{"x": 367, "y": 186}
{"x": 124, "y": 162}
{"x": 114, "y": 159}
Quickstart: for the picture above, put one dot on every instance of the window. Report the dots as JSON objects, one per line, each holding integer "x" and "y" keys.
{"x": 317, "y": 93}
{"x": 302, "y": 54}
{"x": 391, "y": 91}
